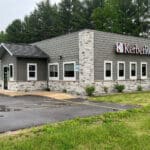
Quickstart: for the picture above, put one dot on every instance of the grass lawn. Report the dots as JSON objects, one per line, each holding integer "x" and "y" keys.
{"x": 126, "y": 130}
{"x": 138, "y": 98}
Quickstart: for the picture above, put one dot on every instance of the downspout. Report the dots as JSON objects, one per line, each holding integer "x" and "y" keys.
{"x": 47, "y": 60}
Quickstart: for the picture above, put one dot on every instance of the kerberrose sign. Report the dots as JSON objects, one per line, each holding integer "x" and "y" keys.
{"x": 125, "y": 48}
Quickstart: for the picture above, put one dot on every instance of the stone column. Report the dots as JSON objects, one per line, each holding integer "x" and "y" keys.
{"x": 86, "y": 57}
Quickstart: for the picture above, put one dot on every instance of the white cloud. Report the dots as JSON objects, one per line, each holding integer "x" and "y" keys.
{"x": 13, "y": 9}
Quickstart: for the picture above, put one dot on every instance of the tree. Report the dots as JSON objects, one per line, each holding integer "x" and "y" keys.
{"x": 141, "y": 17}
{"x": 48, "y": 19}
{"x": 31, "y": 28}
{"x": 106, "y": 19}
{"x": 115, "y": 16}
{"x": 14, "y": 31}
{"x": 89, "y": 6}
{"x": 126, "y": 12}
{"x": 130, "y": 17}
{"x": 3, "y": 37}
{"x": 65, "y": 15}
{"x": 78, "y": 20}
{"x": 42, "y": 23}
{"x": 71, "y": 15}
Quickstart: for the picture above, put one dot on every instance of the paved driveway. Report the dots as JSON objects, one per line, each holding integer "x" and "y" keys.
{"x": 23, "y": 112}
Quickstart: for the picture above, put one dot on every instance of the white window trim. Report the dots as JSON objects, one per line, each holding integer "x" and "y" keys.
{"x": 121, "y": 62}
{"x": 11, "y": 78}
{"x": 133, "y": 77}
{"x": 53, "y": 78}
{"x": 143, "y": 77}
{"x": 31, "y": 78}
{"x": 108, "y": 78}
{"x": 69, "y": 78}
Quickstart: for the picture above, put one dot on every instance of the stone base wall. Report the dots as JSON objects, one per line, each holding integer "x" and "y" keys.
{"x": 77, "y": 88}
{"x": 27, "y": 86}
{"x": 130, "y": 85}
{"x": 70, "y": 86}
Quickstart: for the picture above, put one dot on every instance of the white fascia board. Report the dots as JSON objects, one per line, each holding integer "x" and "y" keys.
{"x": 3, "y": 45}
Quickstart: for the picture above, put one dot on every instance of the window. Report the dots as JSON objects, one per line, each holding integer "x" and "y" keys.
{"x": 133, "y": 70}
{"x": 108, "y": 70}
{"x": 54, "y": 71}
{"x": 69, "y": 71}
{"x": 11, "y": 72}
{"x": 32, "y": 71}
{"x": 121, "y": 70}
{"x": 143, "y": 70}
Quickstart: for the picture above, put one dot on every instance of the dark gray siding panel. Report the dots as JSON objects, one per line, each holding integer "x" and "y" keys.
{"x": 105, "y": 50}
{"x": 22, "y": 68}
{"x": 6, "y": 60}
{"x": 66, "y": 46}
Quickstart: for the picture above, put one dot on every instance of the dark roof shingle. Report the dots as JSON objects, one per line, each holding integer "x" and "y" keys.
{"x": 25, "y": 50}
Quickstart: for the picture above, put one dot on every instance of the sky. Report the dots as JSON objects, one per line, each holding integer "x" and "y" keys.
{"x": 16, "y": 9}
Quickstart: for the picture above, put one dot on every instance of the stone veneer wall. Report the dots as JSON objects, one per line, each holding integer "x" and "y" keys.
{"x": 86, "y": 57}
{"x": 76, "y": 88}
{"x": 130, "y": 85}
{"x": 71, "y": 86}
{"x": 29, "y": 85}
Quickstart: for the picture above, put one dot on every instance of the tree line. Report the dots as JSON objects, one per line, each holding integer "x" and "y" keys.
{"x": 130, "y": 17}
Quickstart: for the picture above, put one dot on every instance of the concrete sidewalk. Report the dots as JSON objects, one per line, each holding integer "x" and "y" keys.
{"x": 53, "y": 95}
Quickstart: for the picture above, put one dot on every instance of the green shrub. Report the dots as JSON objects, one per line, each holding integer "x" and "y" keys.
{"x": 26, "y": 90}
{"x": 105, "y": 89}
{"x": 47, "y": 89}
{"x": 119, "y": 88}
{"x": 90, "y": 90}
{"x": 139, "y": 88}
{"x": 64, "y": 91}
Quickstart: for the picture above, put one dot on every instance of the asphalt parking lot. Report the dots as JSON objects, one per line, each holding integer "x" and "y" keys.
{"x": 27, "y": 111}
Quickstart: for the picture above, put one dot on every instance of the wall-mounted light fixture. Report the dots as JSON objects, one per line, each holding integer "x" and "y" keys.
{"x": 60, "y": 57}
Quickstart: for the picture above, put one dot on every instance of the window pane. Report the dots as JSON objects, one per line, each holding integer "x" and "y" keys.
{"x": 121, "y": 66}
{"x": 121, "y": 70}
{"x": 121, "y": 73}
{"x": 133, "y": 70}
{"x": 108, "y": 66}
{"x": 108, "y": 69}
{"x": 143, "y": 69}
{"x": 69, "y": 73}
{"x": 32, "y": 68}
{"x": 69, "y": 67}
{"x": 32, "y": 74}
{"x": 11, "y": 71}
{"x": 53, "y": 71}
{"x": 53, "y": 74}
{"x": 69, "y": 70}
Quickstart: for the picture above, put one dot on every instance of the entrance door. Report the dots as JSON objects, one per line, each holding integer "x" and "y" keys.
{"x": 6, "y": 78}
